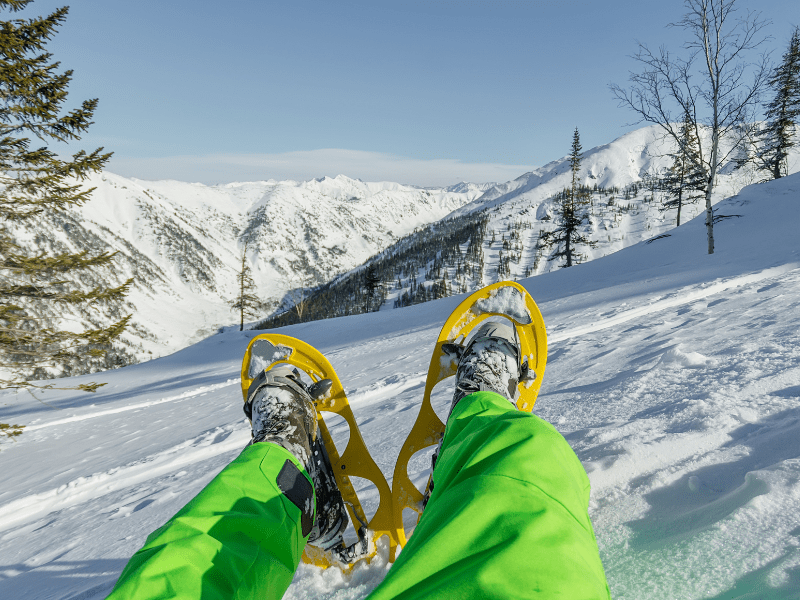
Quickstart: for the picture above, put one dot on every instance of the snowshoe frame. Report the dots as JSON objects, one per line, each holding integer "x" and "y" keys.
{"x": 354, "y": 461}
{"x": 428, "y": 428}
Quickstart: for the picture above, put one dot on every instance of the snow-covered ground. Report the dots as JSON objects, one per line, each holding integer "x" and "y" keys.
{"x": 674, "y": 375}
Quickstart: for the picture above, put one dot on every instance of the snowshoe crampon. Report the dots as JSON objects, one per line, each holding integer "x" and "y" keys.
{"x": 505, "y": 299}
{"x": 263, "y": 352}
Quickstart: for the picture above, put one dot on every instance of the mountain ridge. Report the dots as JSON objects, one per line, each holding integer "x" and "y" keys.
{"x": 182, "y": 241}
{"x": 444, "y": 258}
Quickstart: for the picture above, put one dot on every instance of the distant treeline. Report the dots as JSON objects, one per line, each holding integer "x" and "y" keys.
{"x": 436, "y": 261}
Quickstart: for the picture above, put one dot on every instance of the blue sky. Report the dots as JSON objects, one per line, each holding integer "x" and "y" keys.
{"x": 428, "y": 93}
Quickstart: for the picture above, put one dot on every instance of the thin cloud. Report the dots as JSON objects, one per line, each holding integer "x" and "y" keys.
{"x": 304, "y": 165}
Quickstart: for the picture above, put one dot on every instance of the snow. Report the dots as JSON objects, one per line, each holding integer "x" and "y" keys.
{"x": 263, "y": 354}
{"x": 508, "y": 301}
{"x": 674, "y": 375}
{"x": 182, "y": 242}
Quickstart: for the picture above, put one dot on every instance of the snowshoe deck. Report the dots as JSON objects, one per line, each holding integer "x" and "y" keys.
{"x": 269, "y": 349}
{"x": 504, "y": 299}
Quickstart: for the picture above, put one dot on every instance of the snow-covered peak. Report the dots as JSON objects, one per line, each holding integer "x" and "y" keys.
{"x": 181, "y": 242}
{"x": 464, "y": 186}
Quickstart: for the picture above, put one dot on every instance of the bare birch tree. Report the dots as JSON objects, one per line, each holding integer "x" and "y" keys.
{"x": 716, "y": 85}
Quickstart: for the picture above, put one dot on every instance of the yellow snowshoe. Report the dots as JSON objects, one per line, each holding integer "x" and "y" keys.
{"x": 505, "y": 299}
{"x": 268, "y": 350}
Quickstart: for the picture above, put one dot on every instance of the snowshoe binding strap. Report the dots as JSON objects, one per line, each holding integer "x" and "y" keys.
{"x": 331, "y": 518}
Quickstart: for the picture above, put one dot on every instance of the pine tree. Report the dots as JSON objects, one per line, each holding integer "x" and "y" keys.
{"x": 247, "y": 303}
{"x": 35, "y": 180}
{"x": 575, "y": 165}
{"x": 372, "y": 281}
{"x": 778, "y": 137}
{"x": 686, "y": 179}
{"x": 572, "y": 212}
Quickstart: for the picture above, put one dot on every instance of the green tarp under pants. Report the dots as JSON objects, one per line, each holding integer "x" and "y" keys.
{"x": 507, "y": 519}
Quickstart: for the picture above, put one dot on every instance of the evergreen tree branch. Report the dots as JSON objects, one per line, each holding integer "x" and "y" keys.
{"x": 33, "y": 181}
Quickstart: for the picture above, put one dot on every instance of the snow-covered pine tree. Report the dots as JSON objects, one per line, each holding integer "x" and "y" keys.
{"x": 782, "y": 113}
{"x": 35, "y": 180}
{"x": 247, "y": 303}
{"x": 685, "y": 181}
{"x": 571, "y": 213}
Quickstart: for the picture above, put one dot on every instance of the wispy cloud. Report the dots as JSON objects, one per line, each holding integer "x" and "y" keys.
{"x": 304, "y": 165}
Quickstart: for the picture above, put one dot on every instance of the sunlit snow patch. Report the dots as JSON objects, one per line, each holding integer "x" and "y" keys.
{"x": 506, "y": 300}
{"x": 329, "y": 584}
{"x": 263, "y": 354}
{"x": 674, "y": 356}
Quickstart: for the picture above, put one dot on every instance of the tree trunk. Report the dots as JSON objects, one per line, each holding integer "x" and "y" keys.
{"x": 241, "y": 310}
{"x": 241, "y": 291}
{"x": 568, "y": 248}
{"x": 710, "y": 188}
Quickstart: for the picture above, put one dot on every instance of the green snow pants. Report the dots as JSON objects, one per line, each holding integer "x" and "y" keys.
{"x": 507, "y": 519}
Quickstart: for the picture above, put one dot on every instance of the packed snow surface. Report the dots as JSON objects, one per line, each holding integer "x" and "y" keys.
{"x": 674, "y": 375}
{"x": 508, "y": 301}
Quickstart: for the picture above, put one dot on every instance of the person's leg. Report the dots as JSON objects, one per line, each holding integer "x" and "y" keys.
{"x": 507, "y": 517}
{"x": 241, "y": 537}
{"x": 508, "y": 514}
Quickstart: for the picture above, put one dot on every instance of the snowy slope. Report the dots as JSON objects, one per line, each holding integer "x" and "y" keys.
{"x": 675, "y": 376}
{"x": 497, "y": 236}
{"x": 616, "y": 221}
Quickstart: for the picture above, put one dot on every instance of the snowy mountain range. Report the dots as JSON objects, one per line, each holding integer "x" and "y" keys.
{"x": 673, "y": 374}
{"x": 496, "y": 236}
{"x": 182, "y": 242}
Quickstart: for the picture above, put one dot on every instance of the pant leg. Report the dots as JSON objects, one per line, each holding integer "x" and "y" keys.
{"x": 241, "y": 537}
{"x": 507, "y": 518}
